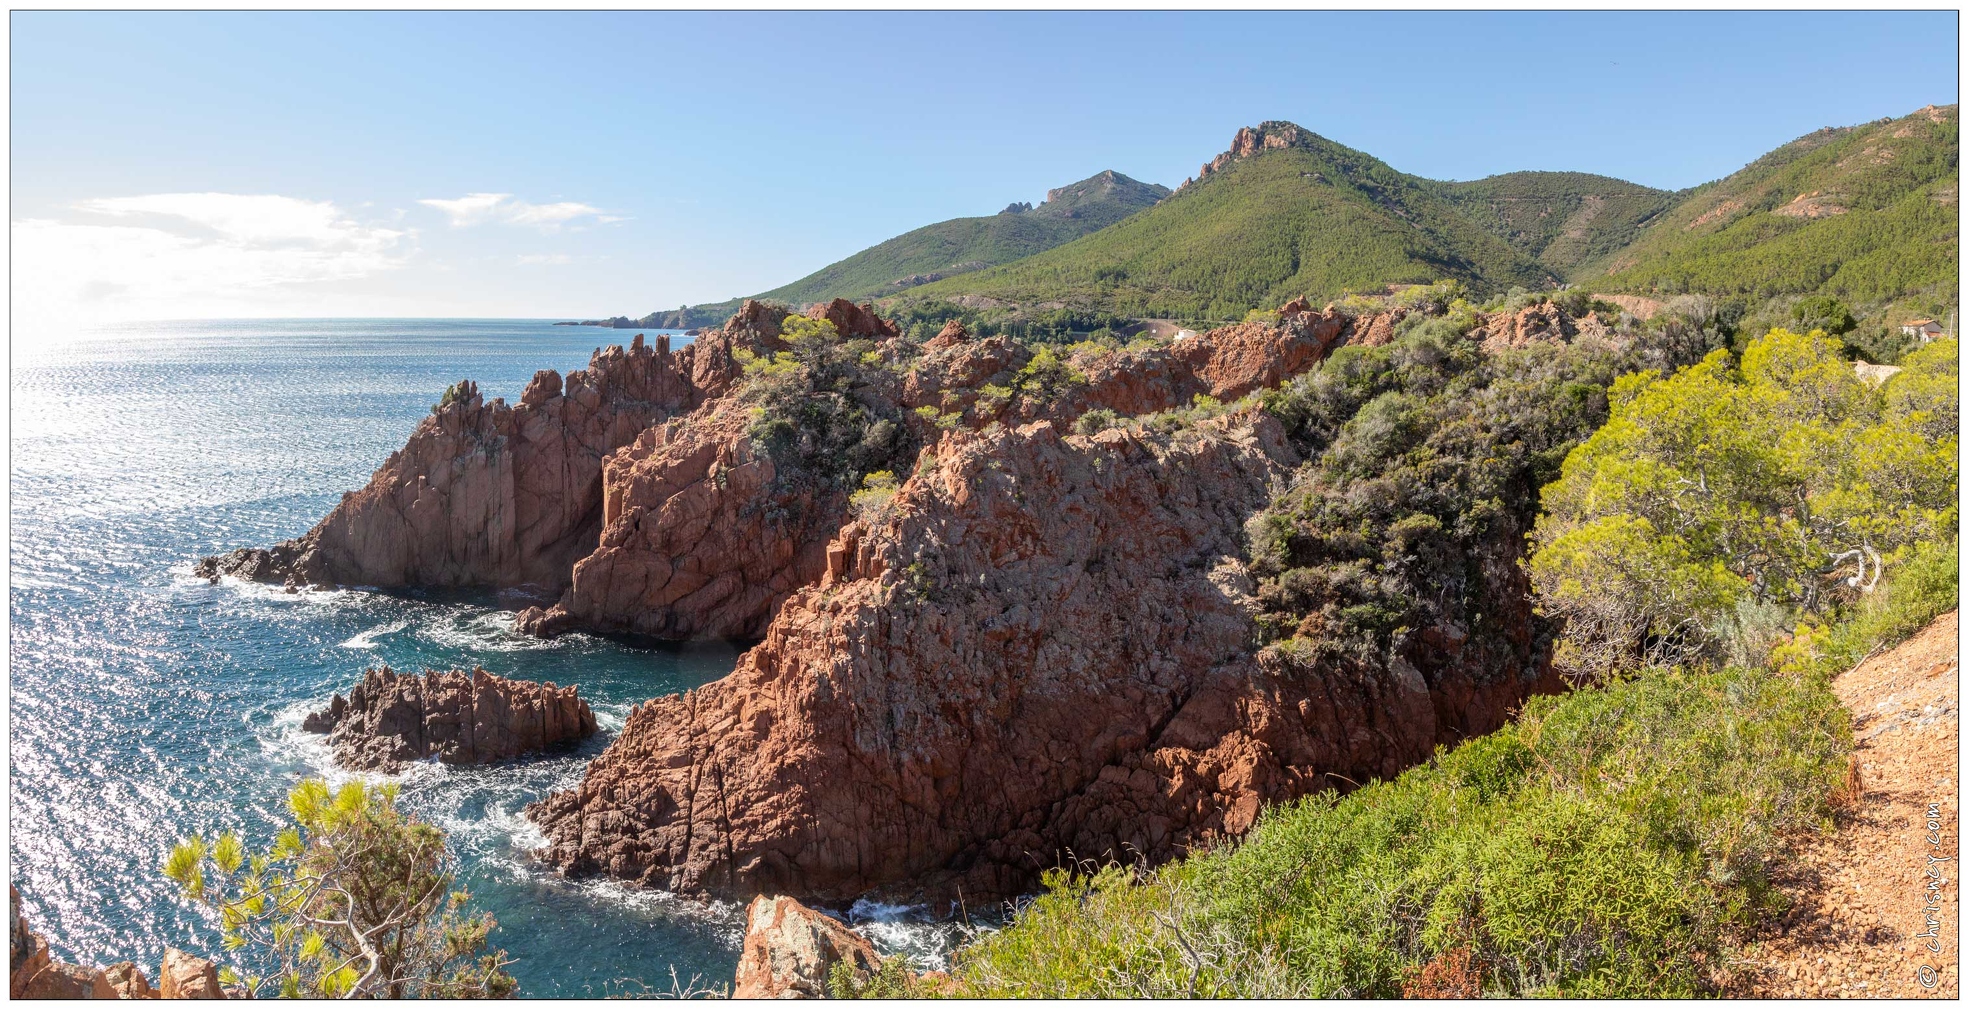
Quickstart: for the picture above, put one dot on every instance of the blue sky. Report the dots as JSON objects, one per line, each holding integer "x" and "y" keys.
{"x": 574, "y": 165}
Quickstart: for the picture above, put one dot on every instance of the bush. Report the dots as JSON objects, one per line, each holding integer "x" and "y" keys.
{"x": 354, "y": 899}
{"x": 1771, "y": 482}
{"x": 871, "y": 503}
{"x": 815, "y": 411}
{"x": 1096, "y": 421}
{"x": 1611, "y": 842}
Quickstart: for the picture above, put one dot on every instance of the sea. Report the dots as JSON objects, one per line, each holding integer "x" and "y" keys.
{"x": 147, "y": 704}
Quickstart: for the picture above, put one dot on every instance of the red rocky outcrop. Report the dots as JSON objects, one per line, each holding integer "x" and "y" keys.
{"x": 1234, "y": 360}
{"x": 851, "y": 320}
{"x": 185, "y": 976}
{"x": 32, "y": 973}
{"x": 1033, "y": 608}
{"x": 701, "y": 541}
{"x": 1044, "y": 646}
{"x": 492, "y": 495}
{"x": 1540, "y": 323}
{"x": 456, "y": 716}
{"x": 790, "y": 948}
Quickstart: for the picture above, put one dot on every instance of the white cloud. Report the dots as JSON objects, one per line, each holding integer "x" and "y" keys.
{"x": 177, "y": 255}
{"x": 504, "y": 208}
{"x": 545, "y": 259}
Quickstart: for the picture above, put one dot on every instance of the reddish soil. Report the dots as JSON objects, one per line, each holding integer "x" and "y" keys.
{"x": 1860, "y": 924}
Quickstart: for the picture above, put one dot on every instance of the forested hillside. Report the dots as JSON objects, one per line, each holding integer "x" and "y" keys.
{"x": 1284, "y": 213}
{"x": 1562, "y": 219}
{"x": 1866, "y": 214}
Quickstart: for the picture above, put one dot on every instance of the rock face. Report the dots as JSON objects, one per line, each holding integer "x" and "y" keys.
{"x": 491, "y": 495}
{"x": 1044, "y": 647}
{"x": 456, "y": 716}
{"x": 32, "y": 973}
{"x": 183, "y": 976}
{"x": 1234, "y": 360}
{"x": 790, "y": 948}
{"x": 1034, "y": 607}
{"x": 851, "y": 320}
{"x": 700, "y": 539}
{"x": 129, "y": 982}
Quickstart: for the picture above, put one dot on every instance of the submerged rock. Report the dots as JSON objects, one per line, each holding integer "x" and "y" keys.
{"x": 455, "y": 716}
{"x": 790, "y": 948}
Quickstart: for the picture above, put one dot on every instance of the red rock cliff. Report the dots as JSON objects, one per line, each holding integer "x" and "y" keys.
{"x": 496, "y": 495}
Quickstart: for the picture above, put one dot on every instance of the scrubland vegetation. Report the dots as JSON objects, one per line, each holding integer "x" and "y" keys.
{"x": 1696, "y": 520}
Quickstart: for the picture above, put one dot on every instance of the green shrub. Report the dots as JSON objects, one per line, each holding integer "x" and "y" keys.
{"x": 1611, "y": 842}
{"x": 353, "y": 900}
{"x": 1096, "y": 421}
{"x": 815, "y": 412}
{"x": 1769, "y": 482}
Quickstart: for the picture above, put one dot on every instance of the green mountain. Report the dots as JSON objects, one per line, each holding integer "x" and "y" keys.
{"x": 1283, "y": 213}
{"x": 1867, "y": 214}
{"x": 945, "y": 249}
{"x": 1561, "y": 219}
{"x": 965, "y": 244}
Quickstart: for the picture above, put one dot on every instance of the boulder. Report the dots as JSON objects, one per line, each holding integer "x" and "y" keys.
{"x": 455, "y": 716}
{"x": 790, "y": 948}
{"x": 129, "y": 982}
{"x": 183, "y": 976}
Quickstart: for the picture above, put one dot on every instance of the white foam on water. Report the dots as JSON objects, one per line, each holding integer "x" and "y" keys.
{"x": 481, "y": 629}
{"x": 368, "y": 639}
{"x": 912, "y": 932}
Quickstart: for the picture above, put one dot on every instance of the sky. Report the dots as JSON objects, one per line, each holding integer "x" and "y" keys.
{"x": 582, "y": 165}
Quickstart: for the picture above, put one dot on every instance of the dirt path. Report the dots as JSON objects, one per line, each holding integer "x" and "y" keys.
{"x": 1864, "y": 920}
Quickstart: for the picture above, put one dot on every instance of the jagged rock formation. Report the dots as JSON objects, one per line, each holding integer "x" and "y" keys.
{"x": 492, "y": 495}
{"x": 701, "y": 540}
{"x": 1045, "y": 646}
{"x": 185, "y": 976}
{"x": 1043, "y": 643}
{"x": 455, "y": 716}
{"x": 790, "y": 948}
{"x": 33, "y": 973}
{"x": 129, "y": 982}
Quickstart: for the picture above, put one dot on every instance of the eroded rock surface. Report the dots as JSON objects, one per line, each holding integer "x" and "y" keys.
{"x": 187, "y": 976}
{"x": 455, "y": 716}
{"x": 486, "y": 494}
{"x": 702, "y": 540}
{"x": 33, "y": 973}
{"x": 790, "y": 948}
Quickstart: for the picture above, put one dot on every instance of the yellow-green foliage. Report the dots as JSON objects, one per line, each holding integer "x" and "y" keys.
{"x": 1611, "y": 842}
{"x": 812, "y": 412}
{"x": 1775, "y": 482}
{"x": 878, "y": 489}
{"x": 354, "y": 899}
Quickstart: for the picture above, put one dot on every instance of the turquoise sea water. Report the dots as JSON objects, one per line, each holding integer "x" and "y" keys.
{"x": 147, "y": 704}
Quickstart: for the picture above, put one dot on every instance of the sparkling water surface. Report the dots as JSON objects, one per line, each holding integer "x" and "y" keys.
{"x": 147, "y": 704}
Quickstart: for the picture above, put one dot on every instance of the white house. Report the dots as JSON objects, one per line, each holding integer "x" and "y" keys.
{"x": 1926, "y": 329}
